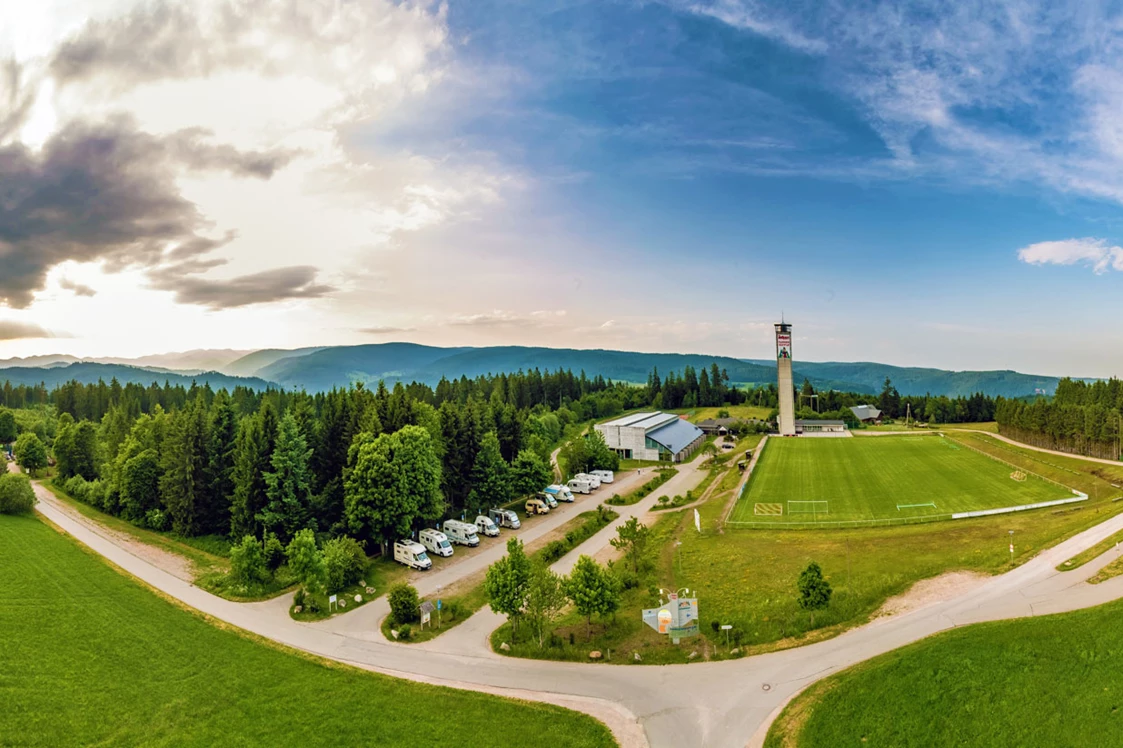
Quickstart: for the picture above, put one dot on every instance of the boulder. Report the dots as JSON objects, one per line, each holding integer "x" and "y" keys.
{"x": 343, "y": 603}
{"x": 394, "y": 633}
{"x": 636, "y": 657}
{"x": 692, "y": 655}
{"x": 362, "y": 583}
{"x": 370, "y": 590}
{"x": 505, "y": 647}
{"x": 595, "y": 655}
{"x": 358, "y": 598}
{"x": 735, "y": 651}
{"x": 298, "y": 609}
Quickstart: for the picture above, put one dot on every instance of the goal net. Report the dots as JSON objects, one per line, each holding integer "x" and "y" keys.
{"x": 808, "y": 507}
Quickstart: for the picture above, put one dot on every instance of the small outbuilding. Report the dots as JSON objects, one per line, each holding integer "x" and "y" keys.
{"x": 866, "y": 413}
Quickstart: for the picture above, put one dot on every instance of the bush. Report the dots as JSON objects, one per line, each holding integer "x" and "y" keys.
{"x": 157, "y": 519}
{"x": 405, "y": 605}
{"x": 628, "y": 579}
{"x": 345, "y": 562}
{"x": 405, "y": 632}
{"x": 274, "y": 551}
{"x": 554, "y": 550}
{"x": 247, "y": 562}
{"x": 298, "y": 598}
{"x": 16, "y": 494}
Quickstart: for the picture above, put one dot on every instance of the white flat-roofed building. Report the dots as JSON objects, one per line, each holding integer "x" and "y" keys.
{"x": 652, "y": 436}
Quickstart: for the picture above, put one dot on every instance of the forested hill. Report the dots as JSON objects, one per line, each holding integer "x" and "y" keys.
{"x": 918, "y": 381}
{"x": 90, "y": 373}
{"x": 407, "y": 362}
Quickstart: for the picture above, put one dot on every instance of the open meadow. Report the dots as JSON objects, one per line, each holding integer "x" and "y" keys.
{"x": 92, "y": 658}
{"x": 883, "y": 478}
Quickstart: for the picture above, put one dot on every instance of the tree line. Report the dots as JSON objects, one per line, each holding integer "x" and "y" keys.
{"x": 1081, "y": 418}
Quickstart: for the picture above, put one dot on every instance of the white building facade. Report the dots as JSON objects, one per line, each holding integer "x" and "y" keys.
{"x": 652, "y": 436}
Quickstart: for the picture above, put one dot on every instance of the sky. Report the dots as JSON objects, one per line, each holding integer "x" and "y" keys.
{"x": 914, "y": 183}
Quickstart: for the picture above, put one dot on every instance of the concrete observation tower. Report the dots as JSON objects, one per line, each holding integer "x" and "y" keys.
{"x": 784, "y": 385}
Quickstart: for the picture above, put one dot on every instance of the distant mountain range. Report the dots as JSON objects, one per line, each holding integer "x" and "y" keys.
{"x": 317, "y": 369}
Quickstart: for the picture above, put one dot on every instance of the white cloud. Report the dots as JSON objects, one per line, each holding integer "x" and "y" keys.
{"x": 1091, "y": 252}
{"x": 750, "y": 16}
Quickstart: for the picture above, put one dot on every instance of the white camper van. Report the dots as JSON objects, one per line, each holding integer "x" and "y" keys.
{"x": 560, "y": 493}
{"x": 548, "y": 497}
{"x": 578, "y": 485}
{"x": 606, "y": 476}
{"x": 505, "y": 518}
{"x": 592, "y": 480}
{"x": 486, "y": 526}
{"x": 461, "y": 533}
{"x": 412, "y": 554}
{"x": 436, "y": 542}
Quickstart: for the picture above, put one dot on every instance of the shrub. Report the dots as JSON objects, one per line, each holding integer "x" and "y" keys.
{"x": 298, "y": 598}
{"x": 554, "y": 550}
{"x": 629, "y": 580}
{"x": 157, "y": 519}
{"x": 345, "y": 562}
{"x": 247, "y": 562}
{"x": 405, "y": 632}
{"x": 274, "y": 551}
{"x": 16, "y": 494}
{"x": 405, "y": 605}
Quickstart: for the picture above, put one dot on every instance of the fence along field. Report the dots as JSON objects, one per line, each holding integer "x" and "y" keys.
{"x": 887, "y": 480}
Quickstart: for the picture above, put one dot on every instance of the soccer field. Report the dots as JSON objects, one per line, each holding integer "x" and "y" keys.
{"x": 881, "y": 478}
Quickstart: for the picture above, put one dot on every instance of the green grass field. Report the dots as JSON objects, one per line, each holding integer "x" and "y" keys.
{"x": 880, "y": 478}
{"x": 92, "y": 658}
{"x": 1043, "y": 681}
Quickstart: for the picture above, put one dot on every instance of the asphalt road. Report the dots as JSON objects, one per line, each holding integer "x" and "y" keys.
{"x": 715, "y": 704}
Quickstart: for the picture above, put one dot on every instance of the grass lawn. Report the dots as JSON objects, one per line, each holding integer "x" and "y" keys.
{"x": 881, "y": 478}
{"x": 745, "y": 412}
{"x": 1041, "y": 681}
{"x": 90, "y": 657}
{"x": 747, "y": 578}
{"x": 1091, "y": 553}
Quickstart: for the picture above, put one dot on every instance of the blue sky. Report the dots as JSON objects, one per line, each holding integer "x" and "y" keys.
{"x": 915, "y": 183}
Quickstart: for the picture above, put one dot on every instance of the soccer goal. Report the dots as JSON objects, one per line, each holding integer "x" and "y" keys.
{"x": 931, "y": 504}
{"x": 768, "y": 509}
{"x": 808, "y": 507}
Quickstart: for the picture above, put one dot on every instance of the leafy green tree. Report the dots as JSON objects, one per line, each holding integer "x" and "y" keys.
{"x": 600, "y": 456}
{"x": 529, "y": 473}
{"x": 288, "y": 487}
{"x": 545, "y": 599}
{"x": 8, "y": 429}
{"x": 594, "y": 591}
{"x": 247, "y": 562}
{"x": 306, "y": 561}
{"x": 632, "y": 538}
{"x": 814, "y": 591}
{"x": 76, "y": 450}
{"x": 138, "y": 482}
{"x": 30, "y": 452}
{"x": 491, "y": 483}
{"x": 183, "y": 484}
{"x": 16, "y": 494}
{"x": 507, "y": 582}
{"x": 344, "y": 562}
{"x": 405, "y": 605}
{"x": 393, "y": 482}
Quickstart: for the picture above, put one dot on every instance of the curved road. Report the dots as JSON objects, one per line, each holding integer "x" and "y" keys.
{"x": 703, "y": 704}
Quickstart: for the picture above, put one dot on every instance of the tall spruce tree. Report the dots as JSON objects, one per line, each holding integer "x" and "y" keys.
{"x": 183, "y": 484}
{"x": 288, "y": 486}
{"x": 221, "y": 454}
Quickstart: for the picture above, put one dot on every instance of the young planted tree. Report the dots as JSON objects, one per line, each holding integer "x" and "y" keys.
{"x": 138, "y": 483}
{"x": 393, "y": 482}
{"x": 30, "y": 452}
{"x": 594, "y": 591}
{"x": 507, "y": 582}
{"x": 632, "y": 540}
{"x": 288, "y": 486}
{"x": 306, "y": 561}
{"x": 8, "y": 429}
{"x": 405, "y": 605}
{"x": 814, "y": 591}
{"x": 545, "y": 598}
{"x": 491, "y": 484}
{"x": 16, "y": 494}
{"x": 247, "y": 562}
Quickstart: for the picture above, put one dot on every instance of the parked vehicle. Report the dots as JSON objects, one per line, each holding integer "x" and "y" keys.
{"x": 505, "y": 518}
{"x": 578, "y": 485}
{"x": 436, "y": 542}
{"x": 550, "y": 500}
{"x": 592, "y": 480}
{"x": 537, "y": 506}
{"x": 560, "y": 493}
{"x": 462, "y": 533}
{"x": 486, "y": 526}
{"x": 606, "y": 476}
{"x": 412, "y": 554}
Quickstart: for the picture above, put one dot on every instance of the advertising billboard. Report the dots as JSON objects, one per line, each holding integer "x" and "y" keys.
{"x": 783, "y": 345}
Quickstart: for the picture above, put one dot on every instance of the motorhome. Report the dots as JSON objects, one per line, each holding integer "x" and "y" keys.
{"x": 577, "y": 485}
{"x": 461, "y": 533}
{"x": 560, "y": 493}
{"x": 412, "y": 554}
{"x": 606, "y": 476}
{"x": 548, "y": 498}
{"x": 486, "y": 526}
{"x": 436, "y": 542}
{"x": 505, "y": 518}
{"x": 537, "y": 506}
{"x": 592, "y": 480}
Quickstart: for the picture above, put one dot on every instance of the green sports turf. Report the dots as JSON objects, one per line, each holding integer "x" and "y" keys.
{"x": 89, "y": 657}
{"x": 866, "y": 478}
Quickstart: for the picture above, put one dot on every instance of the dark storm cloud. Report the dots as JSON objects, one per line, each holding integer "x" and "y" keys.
{"x": 12, "y": 330}
{"x": 106, "y": 192}
{"x": 256, "y": 288}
